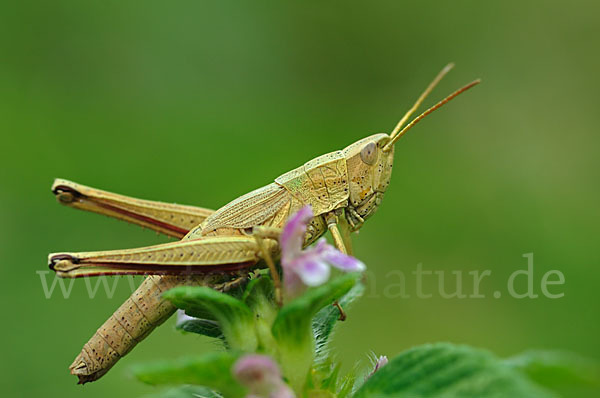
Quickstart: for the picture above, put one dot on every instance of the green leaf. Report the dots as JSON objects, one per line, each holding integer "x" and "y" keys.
{"x": 326, "y": 319}
{"x": 292, "y": 328}
{"x": 259, "y": 297}
{"x": 186, "y": 392}
{"x": 557, "y": 368}
{"x": 448, "y": 371}
{"x": 347, "y": 385}
{"x": 205, "y": 327}
{"x": 212, "y": 370}
{"x": 234, "y": 317}
{"x": 323, "y": 376}
{"x": 330, "y": 382}
{"x": 258, "y": 290}
{"x": 293, "y": 323}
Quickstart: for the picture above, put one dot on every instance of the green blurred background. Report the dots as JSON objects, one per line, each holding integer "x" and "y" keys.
{"x": 198, "y": 102}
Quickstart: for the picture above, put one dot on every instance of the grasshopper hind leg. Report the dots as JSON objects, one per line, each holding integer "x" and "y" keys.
{"x": 199, "y": 256}
{"x": 167, "y": 218}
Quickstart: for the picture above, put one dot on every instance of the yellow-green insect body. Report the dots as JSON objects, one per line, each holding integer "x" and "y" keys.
{"x": 344, "y": 188}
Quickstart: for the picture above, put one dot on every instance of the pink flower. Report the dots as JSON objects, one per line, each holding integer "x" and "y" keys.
{"x": 379, "y": 363}
{"x": 309, "y": 267}
{"x": 261, "y": 375}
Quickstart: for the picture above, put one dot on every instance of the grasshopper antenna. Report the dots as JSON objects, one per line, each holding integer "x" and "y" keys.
{"x": 427, "y": 91}
{"x": 416, "y": 120}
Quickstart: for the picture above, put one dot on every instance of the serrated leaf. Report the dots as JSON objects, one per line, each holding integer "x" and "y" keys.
{"x": 234, "y": 317}
{"x": 327, "y": 317}
{"x": 212, "y": 370}
{"x": 448, "y": 371}
{"x": 557, "y": 368}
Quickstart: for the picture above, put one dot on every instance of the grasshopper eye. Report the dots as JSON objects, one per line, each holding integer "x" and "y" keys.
{"x": 369, "y": 153}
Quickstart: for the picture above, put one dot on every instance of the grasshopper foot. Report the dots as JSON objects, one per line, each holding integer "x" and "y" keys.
{"x": 62, "y": 263}
{"x": 56, "y": 261}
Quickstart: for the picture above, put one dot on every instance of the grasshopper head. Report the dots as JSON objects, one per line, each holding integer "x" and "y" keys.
{"x": 369, "y": 173}
{"x": 370, "y": 160}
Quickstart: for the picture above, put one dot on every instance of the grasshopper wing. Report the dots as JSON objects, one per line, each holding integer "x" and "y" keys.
{"x": 255, "y": 208}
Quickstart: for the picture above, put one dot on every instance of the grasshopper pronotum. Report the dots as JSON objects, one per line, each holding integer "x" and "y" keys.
{"x": 344, "y": 188}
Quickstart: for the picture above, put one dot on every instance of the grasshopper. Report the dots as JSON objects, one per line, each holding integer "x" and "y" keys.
{"x": 218, "y": 248}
